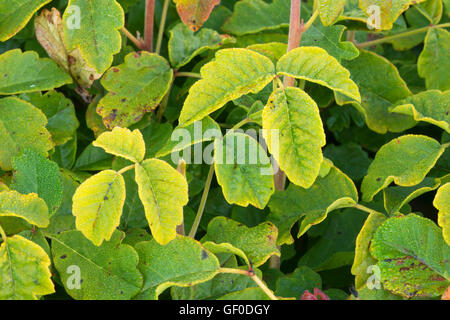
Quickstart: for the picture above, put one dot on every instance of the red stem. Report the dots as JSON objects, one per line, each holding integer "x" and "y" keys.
{"x": 149, "y": 22}
{"x": 295, "y": 34}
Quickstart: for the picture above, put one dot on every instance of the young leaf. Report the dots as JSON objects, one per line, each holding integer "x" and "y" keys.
{"x": 123, "y": 143}
{"x": 293, "y": 117}
{"x": 253, "y": 16}
{"x": 328, "y": 193}
{"x": 93, "y": 28}
{"x": 194, "y": 13}
{"x": 429, "y": 106}
{"x": 258, "y": 243}
{"x": 232, "y": 74}
{"x": 29, "y": 207}
{"x": 412, "y": 257}
{"x": 435, "y": 53}
{"x": 184, "y": 44}
{"x": 404, "y": 161}
{"x": 108, "y": 272}
{"x": 243, "y": 170}
{"x": 25, "y": 270}
{"x": 25, "y": 72}
{"x": 442, "y": 203}
{"x": 194, "y": 264}
{"x": 33, "y": 173}
{"x": 164, "y": 193}
{"x": 135, "y": 88}
{"x": 316, "y": 65}
{"x": 21, "y": 126}
{"x": 98, "y": 204}
{"x": 15, "y": 14}
{"x": 330, "y": 10}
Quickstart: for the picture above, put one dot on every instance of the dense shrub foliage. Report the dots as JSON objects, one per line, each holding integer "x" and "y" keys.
{"x": 207, "y": 149}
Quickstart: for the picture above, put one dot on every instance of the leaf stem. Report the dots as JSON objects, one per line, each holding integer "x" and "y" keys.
{"x": 401, "y": 35}
{"x": 251, "y": 274}
{"x": 181, "y": 169}
{"x": 310, "y": 22}
{"x": 149, "y": 24}
{"x": 188, "y": 74}
{"x": 364, "y": 208}
{"x": 138, "y": 43}
{"x": 123, "y": 170}
{"x": 162, "y": 25}
{"x": 201, "y": 208}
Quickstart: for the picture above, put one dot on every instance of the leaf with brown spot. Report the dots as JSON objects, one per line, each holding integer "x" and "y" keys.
{"x": 194, "y": 13}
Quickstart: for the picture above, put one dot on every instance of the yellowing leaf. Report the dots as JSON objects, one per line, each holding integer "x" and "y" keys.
{"x": 428, "y": 106}
{"x": 95, "y": 32}
{"x": 316, "y": 65}
{"x": 123, "y": 143}
{"x": 135, "y": 88}
{"x": 330, "y": 10}
{"x": 194, "y": 13}
{"x": 404, "y": 161}
{"x": 226, "y": 248}
{"x": 442, "y": 203}
{"x": 26, "y": 72}
{"x": 98, "y": 204}
{"x": 14, "y": 15}
{"x": 29, "y": 207}
{"x": 24, "y": 269}
{"x": 21, "y": 126}
{"x": 434, "y": 58}
{"x": 272, "y": 50}
{"x": 294, "y": 134}
{"x": 164, "y": 193}
{"x": 190, "y": 264}
{"x": 243, "y": 170}
{"x": 232, "y": 74}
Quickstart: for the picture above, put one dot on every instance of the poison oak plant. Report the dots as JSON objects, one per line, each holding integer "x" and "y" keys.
{"x": 225, "y": 150}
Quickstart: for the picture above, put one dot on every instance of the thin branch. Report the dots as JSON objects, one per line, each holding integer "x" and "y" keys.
{"x": 188, "y": 74}
{"x": 138, "y": 43}
{"x": 365, "y": 209}
{"x": 181, "y": 169}
{"x": 149, "y": 24}
{"x": 123, "y": 170}
{"x": 162, "y": 26}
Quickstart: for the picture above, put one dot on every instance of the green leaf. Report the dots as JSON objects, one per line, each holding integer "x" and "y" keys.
{"x": 294, "y": 284}
{"x": 98, "y": 204}
{"x": 442, "y": 203}
{"x": 15, "y": 14}
{"x": 33, "y": 173}
{"x": 93, "y": 159}
{"x": 194, "y": 13}
{"x": 350, "y": 158}
{"x": 381, "y": 86}
{"x": 226, "y": 248}
{"x": 412, "y": 257}
{"x": 253, "y": 16}
{"x": 246, "y": 294}
{"x": 405, "y": 161}
{"x": 25, "y": 270}
{"x": 123, "y": 142}
{"x": 232, "y": 74}
{"x": 435, "y": 53}
{"x": 164, "y": 193}
{"x": 428, "y": 106}
{"x": 330, "y": 10}
{"x": 97, "y": 36}
{"x": 328, "y": 193}
{"x": 258, "y": 243}
{"x": 190, "y": 264}
{"x": 294, "y": 134}
{"x": 316, "y": 65}
{"x": 243, "y": 170}
{"x": 60, "y": 113}
{"x": 184, "y": 44}
{"x": 272, "y": 50}
{"x": 135, "y": 88}
{"x": 363, "y": 259}
{"x": 25, "y": 72}
{"x": 108, "y": 272}
{"x": 389, "y": 10}
{"x": 29, "y": 207}
{"x": 21, "y": 126}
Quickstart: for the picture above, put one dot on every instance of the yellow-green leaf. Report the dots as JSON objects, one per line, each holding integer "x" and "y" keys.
{"x": 24, "y": 269}
{"x": 272, "y": 50}
{"x": 164, "y": 193}
{"x": 442, "y": 203}
{"x": 95, "y": 32}
{"x": 98, "y": 204}
{"x": 404, "y": 161}
{"x": 226, "y": 248}
{"x": 232, "y": 74}
{"x": 330, "y": 10}
{"x": 316, "y": 65}
{"x": 135, "y": 88}
{"x": 294, "y": 134}
{"x": 123, "y": 142}
{"x": 29, "y": 207}
{"x": 21, "y": 126}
